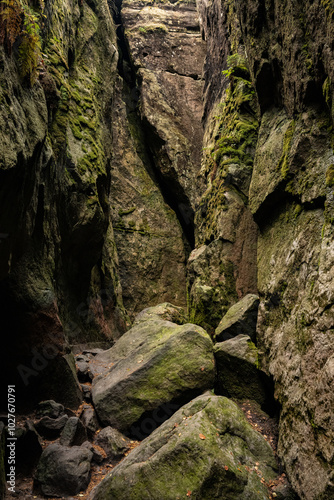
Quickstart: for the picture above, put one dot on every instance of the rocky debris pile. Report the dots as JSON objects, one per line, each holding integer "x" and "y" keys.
{"x": 157, "y": 383}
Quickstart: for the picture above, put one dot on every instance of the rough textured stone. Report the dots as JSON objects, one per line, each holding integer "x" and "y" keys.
{"x": 54, "y": 197}
{"x": 153, "y": 363}
{"x": 283, "y": 49}
{"x": 86, "y": 391}
{"x": 73, "y": 433}
{"x": 49, "y": 409}
{"x": 156, "y": 118}
{"x": 113, "y": 443}
{"x": 207, "y": 448}
{"x": 167, "y": 52}
{"x": 238, "y": 373}
{"x": 148, "y": 235}
{"x": 89, "y": 421}
{"x": 211, "y": 285}
{"x": 241, "y": 319}
{"x": 63, "y": 471}
{"x": 164, "y": 311}
{"x": 51, "y": 427}
{"x": 223, "y": 220}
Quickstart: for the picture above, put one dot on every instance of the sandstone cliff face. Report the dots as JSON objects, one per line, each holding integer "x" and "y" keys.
{"x": 278, "y": 64}
{"x": 109, "y": 184}
{"x": 98, "y": 190}
{"x": 58, "y": 262}
{"x": 157, "y": 141}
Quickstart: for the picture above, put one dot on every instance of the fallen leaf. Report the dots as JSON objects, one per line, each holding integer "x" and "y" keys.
{"x": 201, "y": 436}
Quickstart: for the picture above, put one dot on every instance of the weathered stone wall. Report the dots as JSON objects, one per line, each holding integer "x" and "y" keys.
{"x": 97, "y": 190}
{"x": 284, "y": 50}
{"x": 59, "y": 280}
{"x": 157, "y": 140}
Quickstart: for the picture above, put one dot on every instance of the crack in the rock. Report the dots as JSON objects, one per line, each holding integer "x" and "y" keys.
{"x": 193, "y": 76}
{"x": 179, "y": 204}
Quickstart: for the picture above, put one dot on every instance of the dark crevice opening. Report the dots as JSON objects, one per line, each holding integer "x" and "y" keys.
{"x": 172, "y": 192}
{"x": 193, "y": 76}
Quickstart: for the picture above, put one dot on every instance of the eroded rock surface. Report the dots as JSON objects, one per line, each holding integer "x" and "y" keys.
{"x": 275, "y": 87}
{"x": 154, "y": 363}
{"x": 57, "y": 257}
{"x": 240, "y": 319}
{"x": 63, "y": 471}
{"x": 205, "y": 450}
{"x": 238, "y": 373}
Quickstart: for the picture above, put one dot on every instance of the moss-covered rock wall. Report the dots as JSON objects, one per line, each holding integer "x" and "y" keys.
{"x": 269, "y": 143}
{"x": 97, "y": 192}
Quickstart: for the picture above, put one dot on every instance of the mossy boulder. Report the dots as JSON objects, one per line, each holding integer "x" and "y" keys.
{"x": 238, "y": 373}
{"x": 205, "y": 450}
{"x": 155, "y": 362}
{"x": 241, "y": 318}
{"x": 164, "y": 311}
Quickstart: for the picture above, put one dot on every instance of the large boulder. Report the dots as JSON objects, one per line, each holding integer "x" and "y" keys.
{"x": 241, "y": 318}
{"x": 63, "y": 471}
{"x": 206, "y": 450}
{"x": 155, "y": 362}
{"x": 238, "y": 374}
